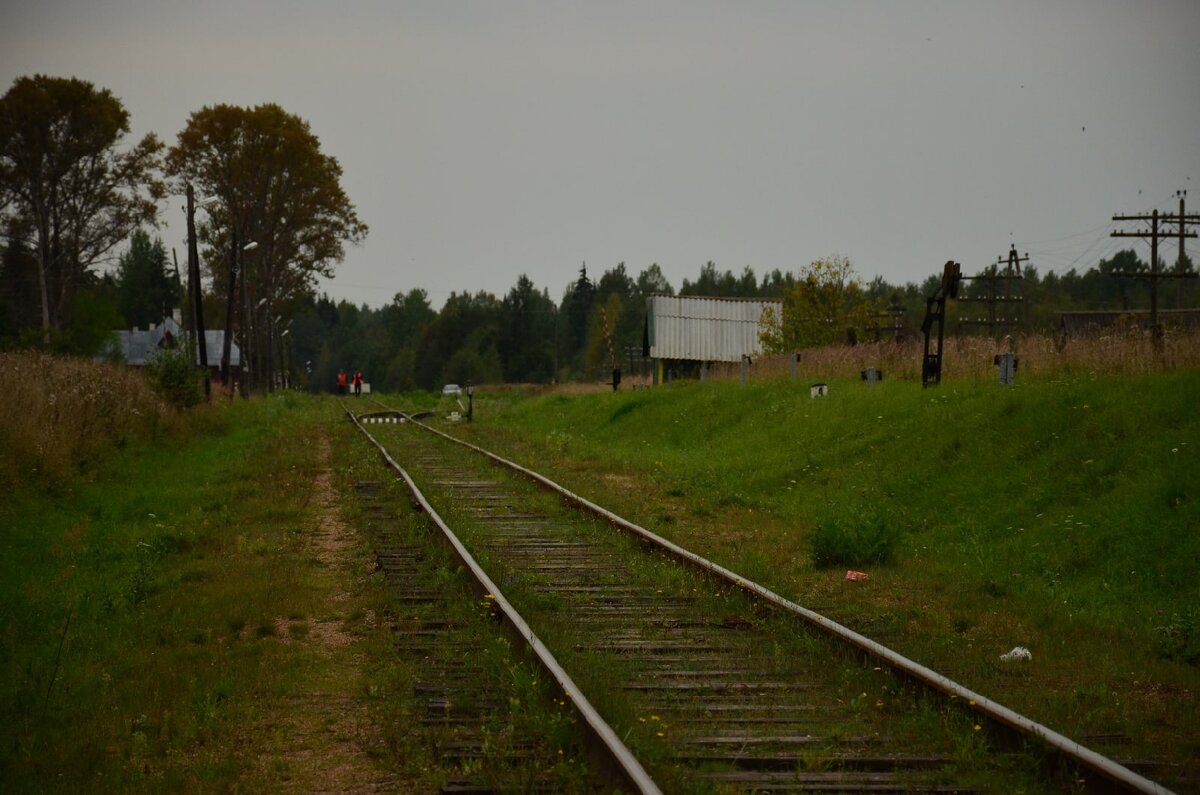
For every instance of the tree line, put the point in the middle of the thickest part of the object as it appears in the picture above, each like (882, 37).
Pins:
(78, 258)
(528, 337)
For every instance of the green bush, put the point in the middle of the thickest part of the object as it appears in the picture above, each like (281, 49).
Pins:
(857, 538)
(1179, 639)
(174, 377)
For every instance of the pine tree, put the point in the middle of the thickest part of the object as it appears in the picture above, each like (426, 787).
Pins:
(146, 292)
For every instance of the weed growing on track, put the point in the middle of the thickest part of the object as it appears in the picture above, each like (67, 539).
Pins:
(526, 706)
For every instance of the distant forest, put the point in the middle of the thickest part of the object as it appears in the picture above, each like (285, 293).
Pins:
(524, 336)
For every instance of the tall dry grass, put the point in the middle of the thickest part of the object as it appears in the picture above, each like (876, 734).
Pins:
(57, 413)
(1120, 352)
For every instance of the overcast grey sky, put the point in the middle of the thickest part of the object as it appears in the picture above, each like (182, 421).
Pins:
(482, 140)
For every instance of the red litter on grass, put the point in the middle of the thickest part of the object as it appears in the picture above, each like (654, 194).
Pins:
(853, 576)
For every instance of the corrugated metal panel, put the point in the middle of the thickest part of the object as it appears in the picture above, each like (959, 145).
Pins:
(705, 329)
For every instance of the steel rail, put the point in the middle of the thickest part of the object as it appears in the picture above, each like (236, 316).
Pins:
(626, 764)
(1088, 760)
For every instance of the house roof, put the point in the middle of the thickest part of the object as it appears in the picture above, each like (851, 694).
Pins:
(138, 346)
(704, 329)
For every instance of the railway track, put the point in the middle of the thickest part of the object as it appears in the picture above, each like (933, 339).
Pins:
(466, 696)
(708, 682)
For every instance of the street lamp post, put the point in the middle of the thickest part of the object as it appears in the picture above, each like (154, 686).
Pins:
(273, 340)
(249, 373)
(287, 374)
(248, 346)
(234, 268)
(194, 289)
(227, 342)
(270, 327)
(257, 325)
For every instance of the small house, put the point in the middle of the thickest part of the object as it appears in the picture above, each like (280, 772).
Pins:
(136, 347)
(685, 334)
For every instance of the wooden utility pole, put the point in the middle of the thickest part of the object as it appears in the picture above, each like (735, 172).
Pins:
(1000, 291)
(1154, 274)
(895, 313)
(1182, 194)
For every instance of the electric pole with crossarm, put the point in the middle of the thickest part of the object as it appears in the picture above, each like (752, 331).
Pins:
(1154, 233)
(1000, 294)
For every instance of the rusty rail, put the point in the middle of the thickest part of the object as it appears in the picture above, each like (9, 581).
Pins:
(626, 766)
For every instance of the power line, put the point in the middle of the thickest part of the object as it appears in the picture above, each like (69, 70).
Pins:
(1030, 244)
(1094, 229)
(1062, 262)
(1097, 241)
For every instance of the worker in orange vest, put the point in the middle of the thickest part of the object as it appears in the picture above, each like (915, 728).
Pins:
(357, 383)
(342, 383)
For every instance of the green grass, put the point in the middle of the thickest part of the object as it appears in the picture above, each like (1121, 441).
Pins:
(140, 605)
(158, 613)
(1058, 515)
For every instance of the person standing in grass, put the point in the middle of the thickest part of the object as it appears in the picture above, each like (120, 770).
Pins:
(341, 382)
(357, 383)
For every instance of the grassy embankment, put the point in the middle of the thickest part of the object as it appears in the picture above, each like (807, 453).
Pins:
(1057, 515)
(186, 602)
(160, 610)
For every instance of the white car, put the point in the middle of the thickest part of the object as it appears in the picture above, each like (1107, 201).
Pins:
(451, 389)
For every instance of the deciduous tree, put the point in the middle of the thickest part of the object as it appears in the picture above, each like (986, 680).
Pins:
(826, 301)
(63, 170)
(277, 188)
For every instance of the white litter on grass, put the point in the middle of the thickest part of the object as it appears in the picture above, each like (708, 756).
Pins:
(1018, 653)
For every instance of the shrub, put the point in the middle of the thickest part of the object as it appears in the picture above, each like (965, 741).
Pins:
(1179, 640)
(859, 539)
(173, 376)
